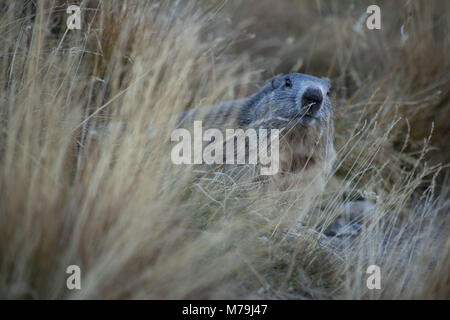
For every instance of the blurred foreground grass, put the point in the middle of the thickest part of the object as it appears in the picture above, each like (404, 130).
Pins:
(139, 228)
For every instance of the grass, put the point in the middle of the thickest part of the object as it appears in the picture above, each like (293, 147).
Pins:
(114, 205)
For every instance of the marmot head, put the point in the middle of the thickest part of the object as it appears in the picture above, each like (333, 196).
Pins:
(300, 106)
(295, 101)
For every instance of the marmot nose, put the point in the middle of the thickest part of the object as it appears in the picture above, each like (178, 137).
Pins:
(312, 99)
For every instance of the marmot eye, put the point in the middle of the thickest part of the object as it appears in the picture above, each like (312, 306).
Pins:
(329, 91)
(288, 83)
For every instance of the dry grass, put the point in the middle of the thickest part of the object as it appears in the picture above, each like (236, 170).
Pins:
(139, 228)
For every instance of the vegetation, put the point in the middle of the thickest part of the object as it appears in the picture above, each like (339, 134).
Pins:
(113, 203)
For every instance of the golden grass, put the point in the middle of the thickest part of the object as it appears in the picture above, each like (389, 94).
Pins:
(113, 204)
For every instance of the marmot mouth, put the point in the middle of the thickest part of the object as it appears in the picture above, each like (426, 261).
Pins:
(306, 120)
(309, 115)
(310, 109)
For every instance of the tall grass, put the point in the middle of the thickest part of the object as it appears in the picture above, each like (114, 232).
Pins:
(111, 202)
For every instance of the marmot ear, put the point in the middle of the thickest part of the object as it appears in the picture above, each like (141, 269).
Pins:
(276, 82)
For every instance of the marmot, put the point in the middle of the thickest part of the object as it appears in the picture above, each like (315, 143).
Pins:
(297, 104)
